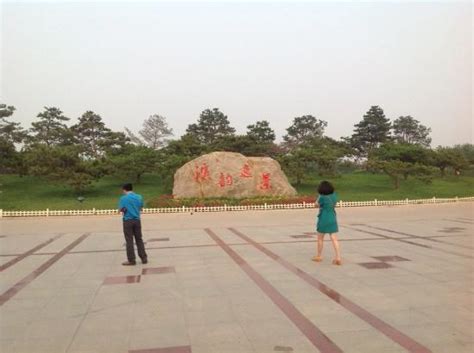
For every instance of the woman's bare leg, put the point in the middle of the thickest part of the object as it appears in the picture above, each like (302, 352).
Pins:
(335, 244)
(320, 244)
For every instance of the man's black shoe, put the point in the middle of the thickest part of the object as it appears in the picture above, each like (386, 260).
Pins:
(145, 261)
(128, 263)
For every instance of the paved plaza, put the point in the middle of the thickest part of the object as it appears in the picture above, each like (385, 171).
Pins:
(241, 282)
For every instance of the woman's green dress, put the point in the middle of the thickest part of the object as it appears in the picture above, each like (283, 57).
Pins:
(327, 222)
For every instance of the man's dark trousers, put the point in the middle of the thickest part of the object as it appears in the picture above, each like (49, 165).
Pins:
(133, 228)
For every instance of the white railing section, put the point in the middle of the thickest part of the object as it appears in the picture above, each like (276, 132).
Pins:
(225, 208)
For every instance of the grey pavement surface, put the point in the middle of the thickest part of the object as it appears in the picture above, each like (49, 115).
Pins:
(241, 282)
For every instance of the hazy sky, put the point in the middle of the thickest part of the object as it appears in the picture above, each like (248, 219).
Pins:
(254, 61)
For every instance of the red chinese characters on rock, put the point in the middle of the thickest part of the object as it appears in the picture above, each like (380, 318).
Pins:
(265, 182)
(246, 172)
(201, 173)
(225, 180)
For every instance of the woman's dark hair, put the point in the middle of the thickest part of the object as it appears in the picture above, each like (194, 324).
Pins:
(325, 188)
(127, 187)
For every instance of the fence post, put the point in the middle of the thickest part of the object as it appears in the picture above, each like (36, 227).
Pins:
(375, 202)
(225, 207)
(1, 213)
(265, 205)
(47, 212)
(457, 200)
(434, 199)
(406, 201)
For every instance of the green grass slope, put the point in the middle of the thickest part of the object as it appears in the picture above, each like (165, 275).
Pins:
(30, 193)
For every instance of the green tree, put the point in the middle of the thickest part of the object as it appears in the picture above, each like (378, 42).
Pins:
(236, 143)
(9, 157)
(303, 129)
(51, 129)
(10, 131)
(467, 150)
(134, 161)
(63, 165)
(6, 110)
(243, 144)
(319, 154)
(404, 152)
(409, 130)
(187, 146)
(395, 169)
(449, 157)
(370, 132)
(402, 160)
(91, 134)
(326, 152)
(114, 141)
(176, 154)
(211, 126)
(296, 164)
(261, 132)
(10, 134)
(155, 133)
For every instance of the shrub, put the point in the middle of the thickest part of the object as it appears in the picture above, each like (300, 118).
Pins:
(169, 201)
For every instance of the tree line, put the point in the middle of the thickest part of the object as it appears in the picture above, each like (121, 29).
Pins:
(77, 154)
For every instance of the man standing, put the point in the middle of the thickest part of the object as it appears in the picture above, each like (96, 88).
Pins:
(130, 206)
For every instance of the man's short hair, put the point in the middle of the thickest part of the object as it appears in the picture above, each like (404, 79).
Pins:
(127, 187)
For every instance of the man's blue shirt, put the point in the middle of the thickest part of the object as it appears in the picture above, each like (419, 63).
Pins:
(131, 204)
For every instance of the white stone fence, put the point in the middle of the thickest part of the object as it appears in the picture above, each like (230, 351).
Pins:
(226, 208)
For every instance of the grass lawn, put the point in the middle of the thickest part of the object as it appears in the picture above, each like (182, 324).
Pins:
(360, 186)
(30, 193)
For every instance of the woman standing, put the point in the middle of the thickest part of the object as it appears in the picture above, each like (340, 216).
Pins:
(327, 220)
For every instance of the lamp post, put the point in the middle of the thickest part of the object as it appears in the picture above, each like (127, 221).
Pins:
(81, 199)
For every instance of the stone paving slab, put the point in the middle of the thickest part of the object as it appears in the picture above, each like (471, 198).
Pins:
(241, 282)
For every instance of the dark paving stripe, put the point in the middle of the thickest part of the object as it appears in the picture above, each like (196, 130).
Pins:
(378, 238)
(147, 248)
(313, 240)
(412, 243)
(195, 246)
(392, 258)
(450, 235)
(158, 239)
(383, 327)
(158, 270)
(418, 236)
(387, 237)
(180, 349)
(121, 280)
(31, 277)
(458, 221)
(375, 265)
(314, 335)
(28, 253)
(451, 230)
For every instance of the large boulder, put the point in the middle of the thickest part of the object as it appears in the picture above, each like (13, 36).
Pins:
(229, 174)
